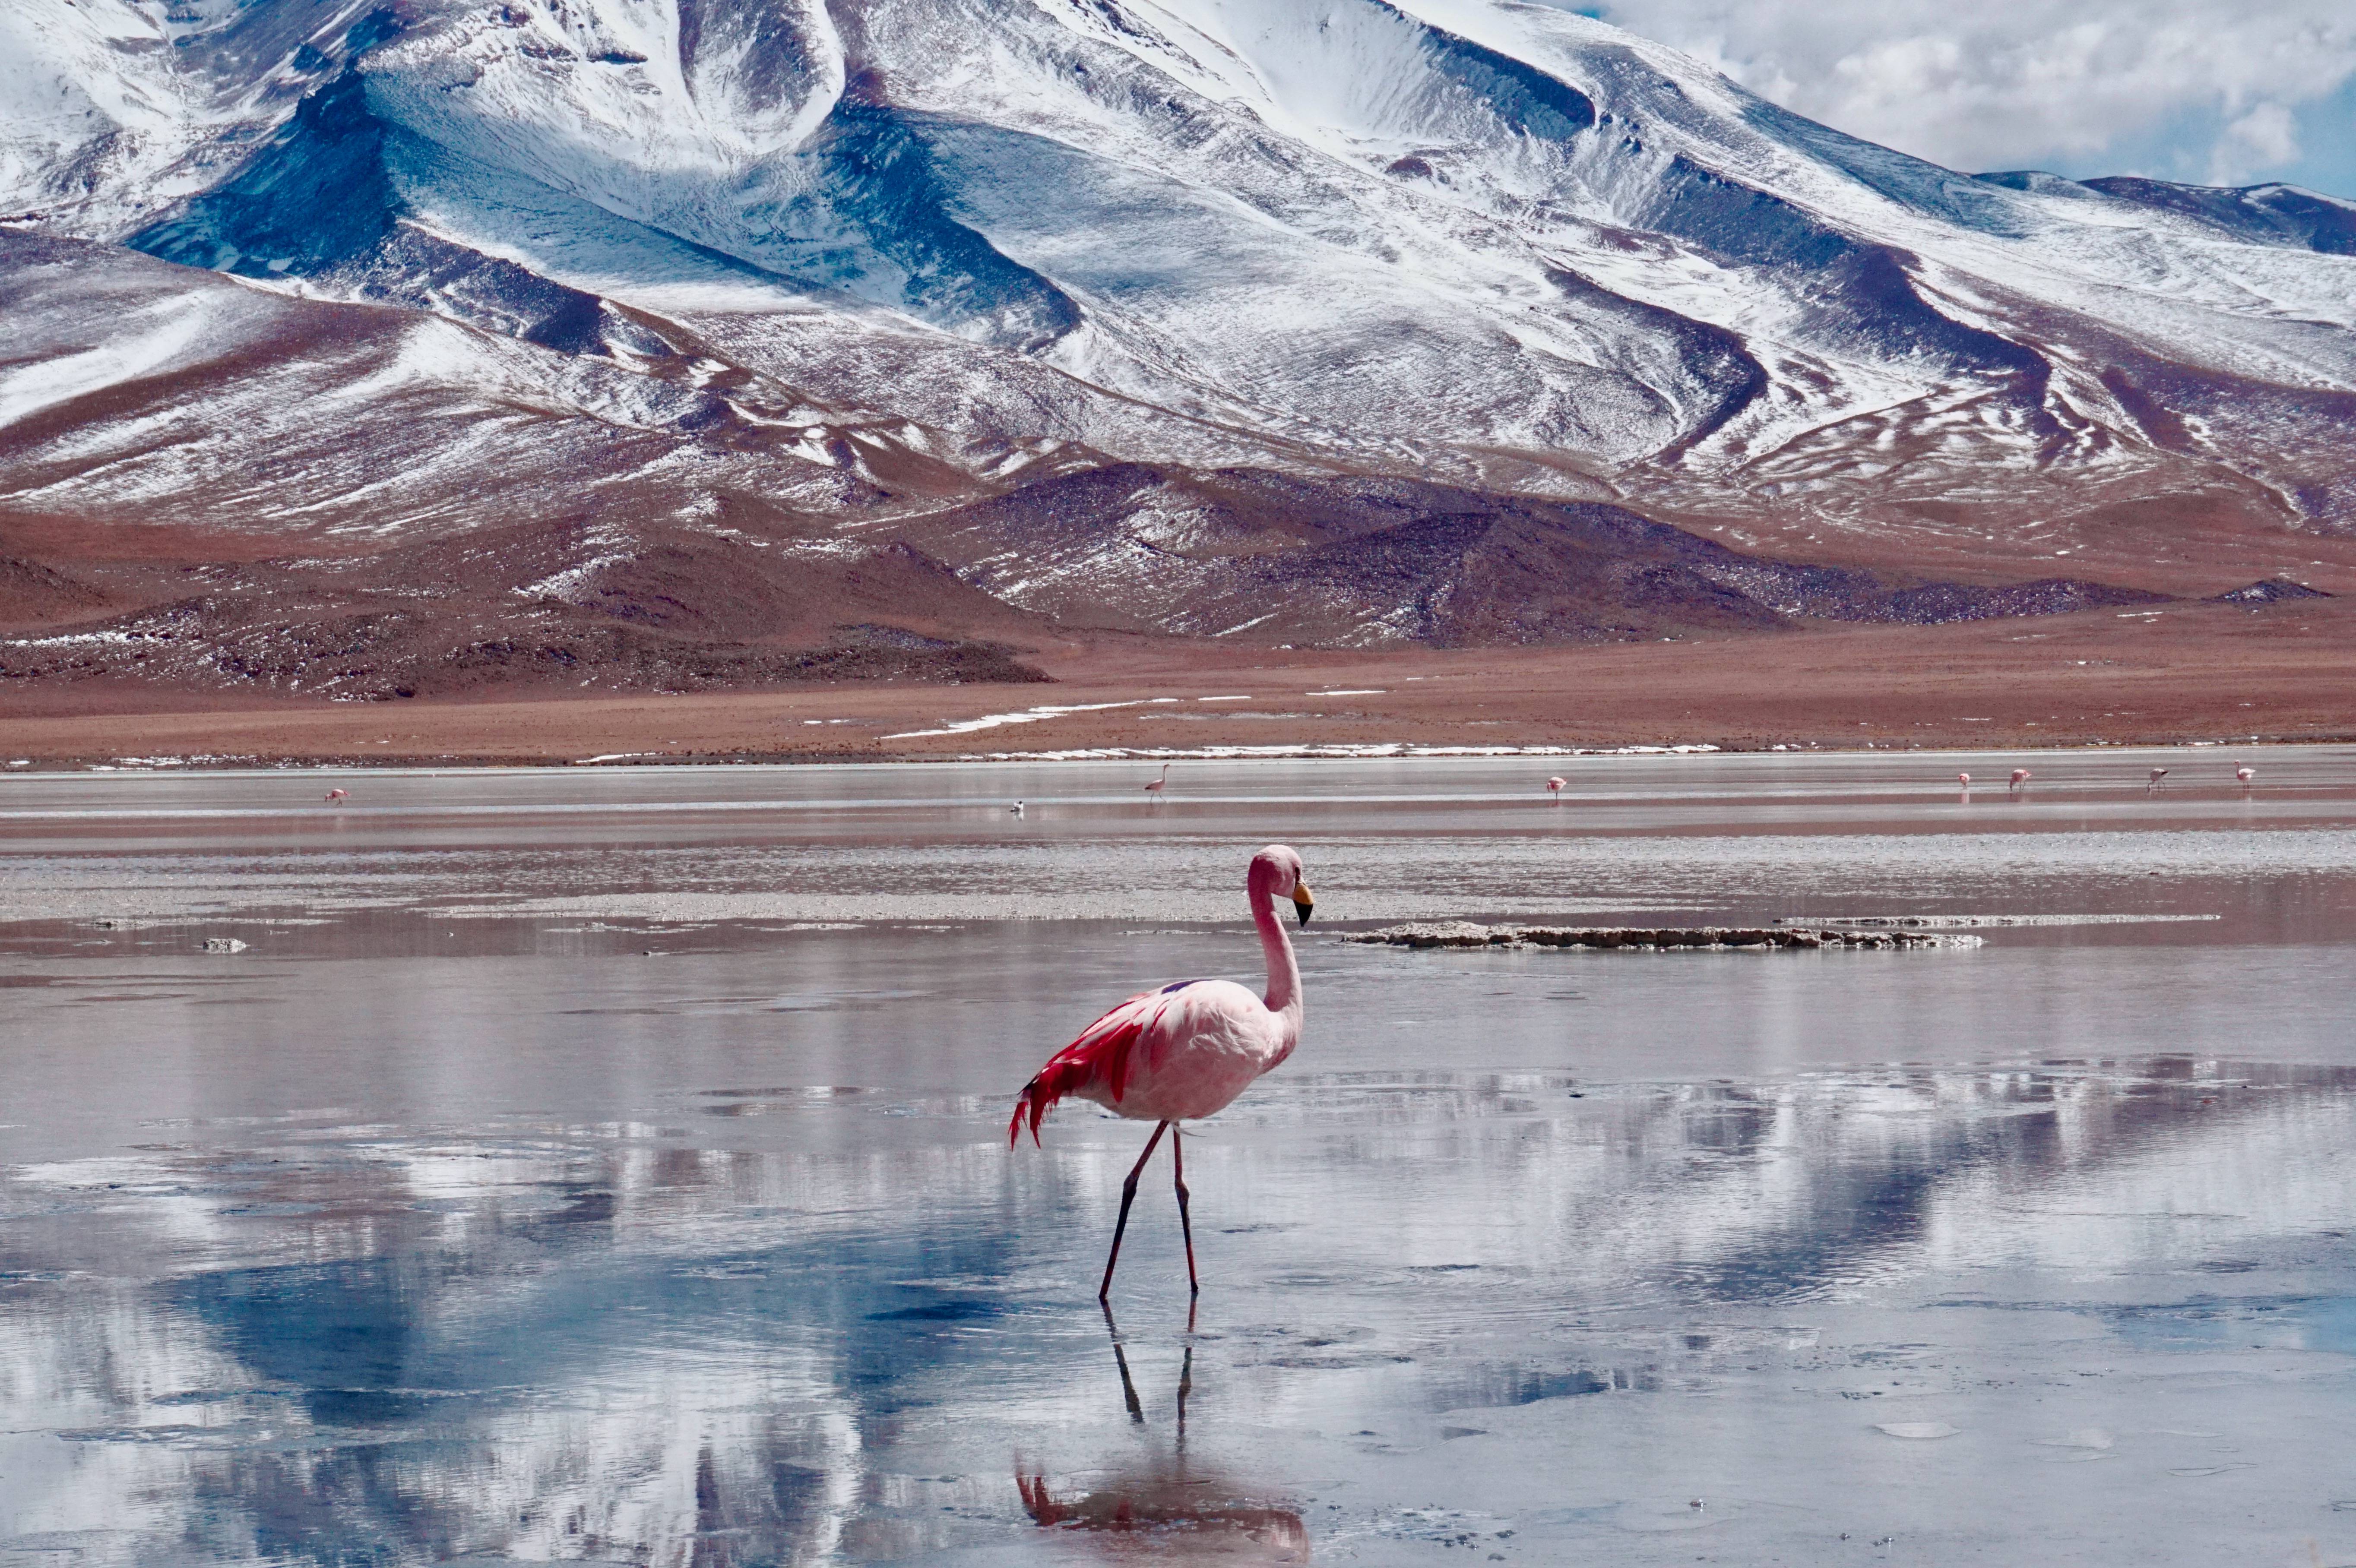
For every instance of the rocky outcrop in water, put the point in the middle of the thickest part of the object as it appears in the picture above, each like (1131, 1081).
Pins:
(1702, 938)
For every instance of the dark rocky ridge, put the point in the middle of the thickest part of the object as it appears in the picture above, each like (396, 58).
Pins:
(1394, 561)
(32, 595)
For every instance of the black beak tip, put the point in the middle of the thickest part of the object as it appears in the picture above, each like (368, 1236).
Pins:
(1304, 912)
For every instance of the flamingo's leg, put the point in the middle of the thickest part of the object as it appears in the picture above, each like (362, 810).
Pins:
(1185, 1387)
(1185, 1222)
(1120, 1360)
(1128, 1197)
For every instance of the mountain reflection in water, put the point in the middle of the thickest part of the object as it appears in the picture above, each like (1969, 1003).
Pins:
(606, 1343)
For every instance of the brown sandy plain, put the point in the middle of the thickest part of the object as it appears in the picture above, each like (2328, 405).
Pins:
(2177, 673)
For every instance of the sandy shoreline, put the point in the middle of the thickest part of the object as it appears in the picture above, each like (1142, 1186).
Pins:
(2171, 675)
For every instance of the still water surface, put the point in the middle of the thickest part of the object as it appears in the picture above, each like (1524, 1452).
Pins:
(610, 1167)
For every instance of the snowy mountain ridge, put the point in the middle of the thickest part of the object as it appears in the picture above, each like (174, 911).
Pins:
(861, 259)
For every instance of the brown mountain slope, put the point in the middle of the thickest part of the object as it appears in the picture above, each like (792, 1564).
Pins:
(552, 607)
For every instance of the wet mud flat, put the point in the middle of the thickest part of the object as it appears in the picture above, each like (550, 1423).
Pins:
(555, 1178)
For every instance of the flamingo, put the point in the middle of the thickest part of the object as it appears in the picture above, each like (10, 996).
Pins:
(1965, 780)
(336, 794)
(2019, 778)
(1153, 787)
(1554, 786)
(2244, 772)
(2157, 774)
(1014, 810)
(1185, 1050)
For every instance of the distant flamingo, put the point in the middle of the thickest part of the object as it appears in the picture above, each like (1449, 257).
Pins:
(2019, 778)
(1554, 786)
(2244, 772)
(336, 795)
(1014, 810)
(1965, 780)
(1156, 786)
(1185, 1050)
(2157, 774)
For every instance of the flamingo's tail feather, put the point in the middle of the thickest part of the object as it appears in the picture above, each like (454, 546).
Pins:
(1037, 1098)
(1054, 1080)
(1100, 1056)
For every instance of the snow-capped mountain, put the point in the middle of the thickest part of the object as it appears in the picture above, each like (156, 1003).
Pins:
(862, 258)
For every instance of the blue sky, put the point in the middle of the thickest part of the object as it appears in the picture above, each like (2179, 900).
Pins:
(2210, 91)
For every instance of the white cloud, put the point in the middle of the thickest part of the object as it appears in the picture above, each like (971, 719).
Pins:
(2265, 138)
(2211, 88)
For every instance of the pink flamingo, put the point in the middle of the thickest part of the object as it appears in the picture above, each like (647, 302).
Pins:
(1965, 780)
(2244, 772)
(336, 794)
(1185, 1050)
(1554, 786)
(2157, 774)
(1156, 786)
(2019, 777)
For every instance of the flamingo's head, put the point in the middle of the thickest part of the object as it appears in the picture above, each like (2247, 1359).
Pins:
(1277, 869)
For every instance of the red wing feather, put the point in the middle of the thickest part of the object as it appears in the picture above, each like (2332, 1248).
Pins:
(1102, 1054)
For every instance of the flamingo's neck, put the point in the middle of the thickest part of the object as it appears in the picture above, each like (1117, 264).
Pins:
(1283, 972)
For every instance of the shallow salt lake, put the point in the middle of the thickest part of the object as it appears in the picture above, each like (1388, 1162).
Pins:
(610, 1166)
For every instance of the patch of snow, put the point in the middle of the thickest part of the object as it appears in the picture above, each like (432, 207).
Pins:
(571, 580)
(1362, 749)
(78, 639)
(1025, 716)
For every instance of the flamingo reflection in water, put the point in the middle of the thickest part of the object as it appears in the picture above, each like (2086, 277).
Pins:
(1164, 1504)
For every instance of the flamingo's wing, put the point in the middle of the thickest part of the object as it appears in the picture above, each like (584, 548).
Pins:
(1103, 1055)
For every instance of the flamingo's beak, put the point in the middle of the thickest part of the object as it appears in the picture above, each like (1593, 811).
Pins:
(1302, 905)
